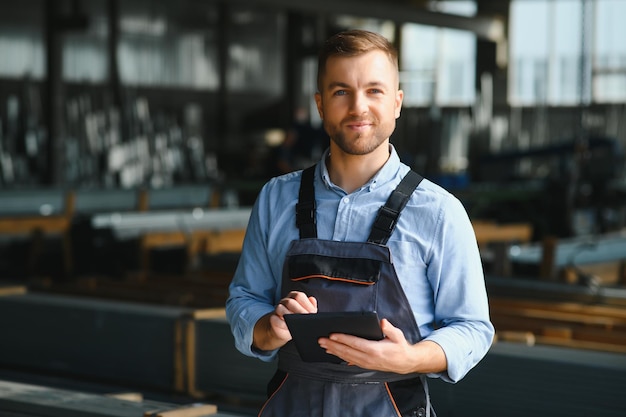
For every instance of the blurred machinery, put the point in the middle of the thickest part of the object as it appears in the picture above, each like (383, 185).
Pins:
(566, 189)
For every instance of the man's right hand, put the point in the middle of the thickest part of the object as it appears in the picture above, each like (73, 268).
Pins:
(271, 331)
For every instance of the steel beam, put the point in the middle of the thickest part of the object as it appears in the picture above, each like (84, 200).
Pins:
(132, 225)
(487, 27)
(41, 401)
(219, 367)
(575, 251)
(119, 342)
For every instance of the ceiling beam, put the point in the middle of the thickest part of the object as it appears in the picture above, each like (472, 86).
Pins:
(487, 27)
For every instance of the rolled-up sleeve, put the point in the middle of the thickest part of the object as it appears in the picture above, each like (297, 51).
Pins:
(463, 327)
(253, 288)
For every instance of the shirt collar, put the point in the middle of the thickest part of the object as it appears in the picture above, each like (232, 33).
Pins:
(387, 173)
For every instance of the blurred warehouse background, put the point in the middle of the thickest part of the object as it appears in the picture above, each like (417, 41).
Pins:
(135, 135)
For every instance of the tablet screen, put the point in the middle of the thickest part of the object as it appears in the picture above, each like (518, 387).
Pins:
(306, 329)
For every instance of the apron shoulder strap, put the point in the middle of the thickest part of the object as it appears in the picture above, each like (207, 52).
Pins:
(305, 208)
(385, 221)
(388, 215)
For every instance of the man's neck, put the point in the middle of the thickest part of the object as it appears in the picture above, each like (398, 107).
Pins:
(351, 172)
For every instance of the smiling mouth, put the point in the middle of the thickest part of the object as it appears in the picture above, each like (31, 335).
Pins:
(359, 125)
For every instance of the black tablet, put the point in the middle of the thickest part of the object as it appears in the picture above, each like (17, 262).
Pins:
(306, 329)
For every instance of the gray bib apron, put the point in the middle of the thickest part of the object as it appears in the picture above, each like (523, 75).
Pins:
(346, 276)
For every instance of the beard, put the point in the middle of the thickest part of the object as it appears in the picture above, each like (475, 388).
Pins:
(358, 143)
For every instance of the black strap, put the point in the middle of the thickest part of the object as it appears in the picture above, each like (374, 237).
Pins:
(385, 221)
(305, 208)
(388, 215)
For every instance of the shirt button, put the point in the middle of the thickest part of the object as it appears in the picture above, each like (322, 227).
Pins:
(345, 200)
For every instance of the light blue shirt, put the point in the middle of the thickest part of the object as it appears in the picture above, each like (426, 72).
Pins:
(433, 247)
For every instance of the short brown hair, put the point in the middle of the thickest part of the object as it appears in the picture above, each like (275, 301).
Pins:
(352, 43)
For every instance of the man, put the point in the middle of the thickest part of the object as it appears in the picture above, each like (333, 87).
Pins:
(313, 244)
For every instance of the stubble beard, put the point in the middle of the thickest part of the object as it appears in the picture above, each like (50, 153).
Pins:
(360, 144)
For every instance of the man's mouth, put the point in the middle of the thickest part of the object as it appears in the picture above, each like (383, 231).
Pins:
(359, 125)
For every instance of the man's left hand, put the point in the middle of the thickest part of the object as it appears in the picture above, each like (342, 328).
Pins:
(391, 354)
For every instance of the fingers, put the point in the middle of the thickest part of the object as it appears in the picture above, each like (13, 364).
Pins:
(352, 349)
(391, 332)
(275, 332)
(389, 354)
(296, 302)
(280, 327)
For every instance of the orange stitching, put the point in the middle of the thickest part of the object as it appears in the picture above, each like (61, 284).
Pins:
(332, 279)
(272, 396)
(395, 406)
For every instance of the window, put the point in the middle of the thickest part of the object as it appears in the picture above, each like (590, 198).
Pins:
(21, 40)
(609, 64)
(567, 52)
(255, 50)
(168, 44)
(84, 54)
(438, 65)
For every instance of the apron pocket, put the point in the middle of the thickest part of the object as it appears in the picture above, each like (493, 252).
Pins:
(355, 270)
(409, 397)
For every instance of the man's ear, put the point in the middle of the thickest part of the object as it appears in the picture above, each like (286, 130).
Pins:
(318, 102)
(399, 99)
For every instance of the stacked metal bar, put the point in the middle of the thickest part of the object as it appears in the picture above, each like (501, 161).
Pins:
(127, 343)
(516, 380)
(26, 400)
(192, 352)
(220, 368)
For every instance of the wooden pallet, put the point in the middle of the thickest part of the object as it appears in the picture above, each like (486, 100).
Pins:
(488, 232)
(586, 326)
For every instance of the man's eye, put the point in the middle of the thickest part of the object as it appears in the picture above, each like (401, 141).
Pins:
(375, 91)
(340, 93)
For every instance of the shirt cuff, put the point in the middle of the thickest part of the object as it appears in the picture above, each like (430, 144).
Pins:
(247, 321)
(458, 356)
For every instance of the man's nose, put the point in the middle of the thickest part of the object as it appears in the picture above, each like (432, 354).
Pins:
(358, 104)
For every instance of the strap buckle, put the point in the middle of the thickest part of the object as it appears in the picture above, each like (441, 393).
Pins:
(305, 213)
(386, 219)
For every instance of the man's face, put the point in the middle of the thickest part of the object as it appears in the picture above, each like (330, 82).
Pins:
(360, 101)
